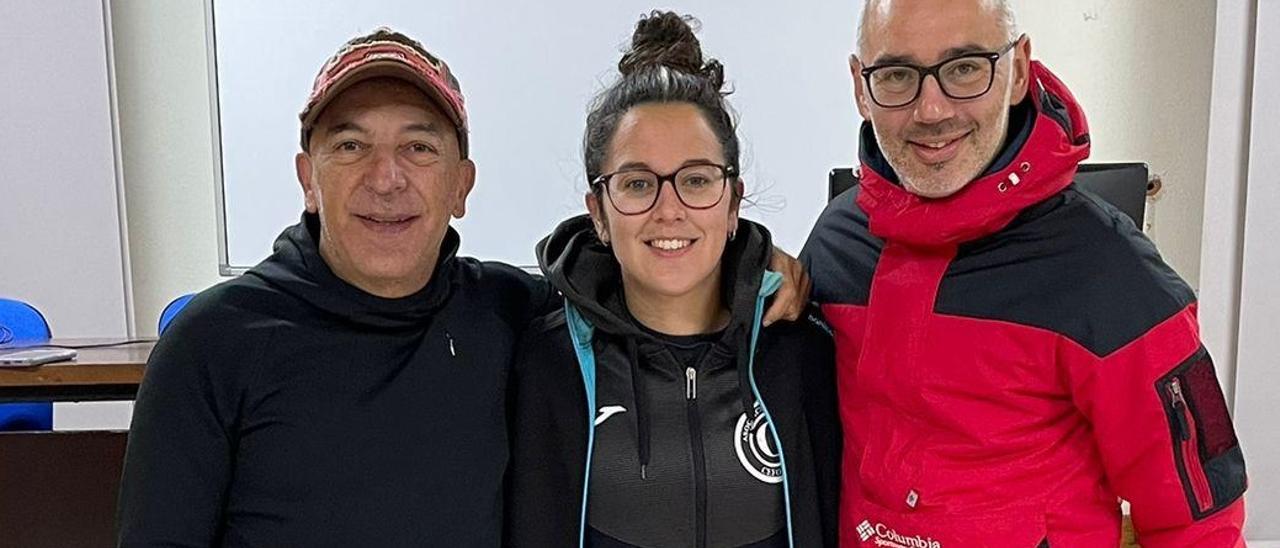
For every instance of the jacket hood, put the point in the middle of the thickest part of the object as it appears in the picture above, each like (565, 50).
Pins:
(1048, 137)
(587, 274)
(296, 268)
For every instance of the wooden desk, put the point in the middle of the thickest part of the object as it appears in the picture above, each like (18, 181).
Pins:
(107, 373)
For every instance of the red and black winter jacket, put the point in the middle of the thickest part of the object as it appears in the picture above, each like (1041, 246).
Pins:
(1013, 358)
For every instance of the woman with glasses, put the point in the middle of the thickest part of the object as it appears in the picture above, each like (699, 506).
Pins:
(655, 410)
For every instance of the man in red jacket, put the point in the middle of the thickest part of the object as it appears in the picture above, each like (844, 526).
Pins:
(1014, 356)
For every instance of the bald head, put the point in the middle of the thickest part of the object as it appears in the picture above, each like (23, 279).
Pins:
(878, 12)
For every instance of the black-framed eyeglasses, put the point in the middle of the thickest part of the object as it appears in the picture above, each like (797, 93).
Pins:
(967, 76)
(634, 191)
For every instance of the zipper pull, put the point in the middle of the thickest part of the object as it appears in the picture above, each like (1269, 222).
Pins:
(691, 384)
(452, 352)
(1179, 407)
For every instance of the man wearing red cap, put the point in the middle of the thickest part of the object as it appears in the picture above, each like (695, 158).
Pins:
(350, 389)
(1013, 355)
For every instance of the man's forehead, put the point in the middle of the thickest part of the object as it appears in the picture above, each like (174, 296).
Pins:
(925, 31)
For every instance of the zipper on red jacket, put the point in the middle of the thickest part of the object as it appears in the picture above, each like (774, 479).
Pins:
(1188, 445)
(699, 456)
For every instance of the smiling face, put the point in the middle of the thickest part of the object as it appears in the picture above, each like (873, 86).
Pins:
(937, 144)
(384, 173)
(670, 250)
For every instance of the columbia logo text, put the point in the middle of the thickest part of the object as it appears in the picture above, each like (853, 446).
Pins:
(887, 537)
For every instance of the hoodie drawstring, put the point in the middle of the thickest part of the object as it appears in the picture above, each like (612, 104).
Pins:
(744, 375)
(642, 407)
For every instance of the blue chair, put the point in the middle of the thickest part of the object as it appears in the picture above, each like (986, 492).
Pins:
(171, 311)
(20, 323)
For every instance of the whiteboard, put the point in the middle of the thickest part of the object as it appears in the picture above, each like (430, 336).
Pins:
(528, 71)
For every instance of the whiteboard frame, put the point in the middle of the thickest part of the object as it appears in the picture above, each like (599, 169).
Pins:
(215, 116)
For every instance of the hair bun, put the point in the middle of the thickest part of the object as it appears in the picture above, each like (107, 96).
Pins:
(666, 39)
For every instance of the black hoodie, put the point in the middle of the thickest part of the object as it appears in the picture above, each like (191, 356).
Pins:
(596, 395)
(289, 408)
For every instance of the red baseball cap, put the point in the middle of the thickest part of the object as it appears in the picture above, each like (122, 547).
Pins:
(380, 54)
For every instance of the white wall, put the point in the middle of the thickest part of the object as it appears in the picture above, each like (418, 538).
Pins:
(1226, 184)
(162, 90)
(1142, 69)
(1239, 296)
(1258, 344)
(60, 248)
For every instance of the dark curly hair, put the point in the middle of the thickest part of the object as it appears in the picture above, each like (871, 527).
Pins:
(664, 65)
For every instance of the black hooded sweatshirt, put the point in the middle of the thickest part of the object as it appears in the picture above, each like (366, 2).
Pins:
(289, 408)
(623, 437)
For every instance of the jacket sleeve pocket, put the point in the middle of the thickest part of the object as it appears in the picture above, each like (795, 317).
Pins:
(1205, 448)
